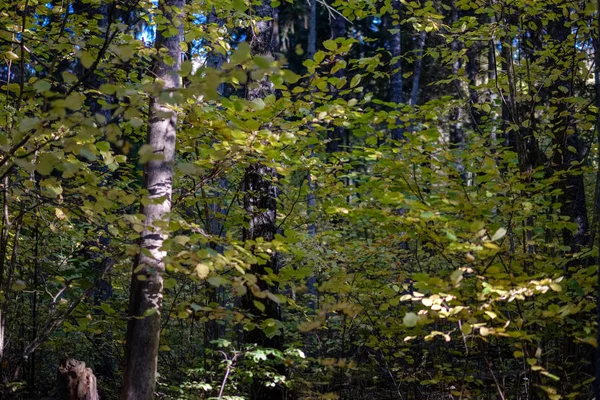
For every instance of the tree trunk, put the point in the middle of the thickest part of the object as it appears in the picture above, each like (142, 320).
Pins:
(260, 204)
(414, 94)
(143, 329)
(396, 82)
(336, 136)
(213, 201)
(75, 382)
(568, 152)
(312, 30)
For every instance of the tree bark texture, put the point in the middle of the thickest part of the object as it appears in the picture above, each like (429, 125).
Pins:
(75, 382)
(260, 204)
(143, 329)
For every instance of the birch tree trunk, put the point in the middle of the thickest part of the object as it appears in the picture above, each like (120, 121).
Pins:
(143, 329)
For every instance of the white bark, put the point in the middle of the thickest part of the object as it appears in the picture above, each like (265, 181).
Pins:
(143, 330)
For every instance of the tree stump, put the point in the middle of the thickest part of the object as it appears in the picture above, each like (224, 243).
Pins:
(75, 381)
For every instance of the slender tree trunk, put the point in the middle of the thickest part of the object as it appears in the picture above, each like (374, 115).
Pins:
(336, 135)
(396, 82)
(312, 30)
(214, 59)
(143, 329)
(310, 198)
(260, 204)
(212, 204)
(492, 77)
(275, 42)
(414, 94)
(473, 69)
(457, 132)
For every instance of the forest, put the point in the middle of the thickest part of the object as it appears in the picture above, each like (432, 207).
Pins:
(299, 199)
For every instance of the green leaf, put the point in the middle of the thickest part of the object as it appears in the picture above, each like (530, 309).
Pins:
(86, 59)
(319, 56)
(150, 311)
(556, 287)
(28, 124)
(330, 45)
(466, 328)
(240, 5)
(355, 80)
(170, 283)
(46, 163)
(241, 54)
(456, 276)
(42, 86)
(74, 101)
(410, 319)
(260, 306)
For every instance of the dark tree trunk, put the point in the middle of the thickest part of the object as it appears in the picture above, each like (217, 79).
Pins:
(260, 204)
(396, 81)
(212, 205)
(312, 30)
(568, 152)
(143, 328)
(414, 94)
(473, 68)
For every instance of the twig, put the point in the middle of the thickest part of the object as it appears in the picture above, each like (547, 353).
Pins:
(230, 366)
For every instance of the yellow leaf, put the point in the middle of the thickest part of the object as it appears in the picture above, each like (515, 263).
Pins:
(11, 56)
(202, 270)
(60, 214)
